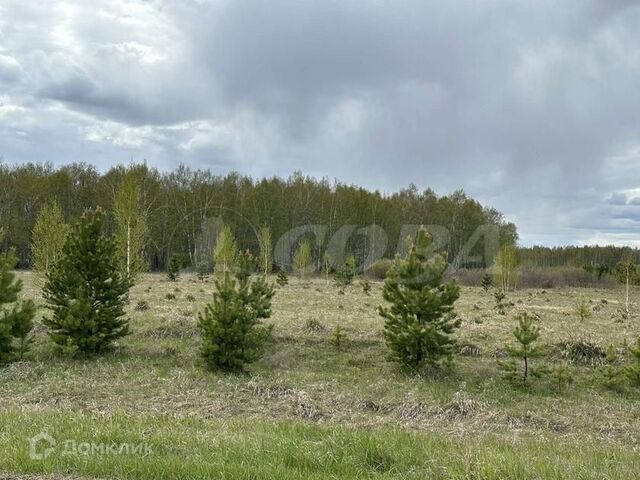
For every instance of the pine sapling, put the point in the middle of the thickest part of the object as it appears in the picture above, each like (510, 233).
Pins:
(632, 372)
(487, 282)
(282, 278)
(346, 272)
(582, 310)
(610, 371)
(233, 334)
(338, 337)
(366, 286)
(499, 296)
(16, 318)
(562, 376)
(86, 290)
(419, 318)
(526, 334)
(173, 268)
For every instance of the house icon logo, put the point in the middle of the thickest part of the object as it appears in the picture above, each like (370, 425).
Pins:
(41, 446)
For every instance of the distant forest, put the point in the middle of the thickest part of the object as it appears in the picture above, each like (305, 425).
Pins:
(181, 205)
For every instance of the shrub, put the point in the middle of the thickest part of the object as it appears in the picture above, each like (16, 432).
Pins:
(15, 323)
(420, 320)
(190, 298)
(232, 330)
(86, 291)
(314, 326)
(380, 268)
(170, 296)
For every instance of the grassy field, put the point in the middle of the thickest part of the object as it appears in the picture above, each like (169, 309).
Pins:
(309, 410)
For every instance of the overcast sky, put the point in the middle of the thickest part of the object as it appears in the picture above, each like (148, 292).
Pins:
(532, 107)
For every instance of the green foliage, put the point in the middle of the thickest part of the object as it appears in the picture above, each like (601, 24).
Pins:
(380, 268)
(499, 296)
(131, 227)
(420, 320)
(185, 199)
(47, 238)
(86, 290)
(173, 268)
(366, 286)
(582, 309)
(611, 374)
(561, 376)
(632, 372)
(204, 269)
(338, 337)
(233, 334)
(505, 268)
(626, 273)
(527, 334)
(16, 318)
(225, 251)
(346, 272)
(266, 250)
(282, 278)
(303, 259)
(487, 282)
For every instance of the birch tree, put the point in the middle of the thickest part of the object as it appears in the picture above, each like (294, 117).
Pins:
(131, 227)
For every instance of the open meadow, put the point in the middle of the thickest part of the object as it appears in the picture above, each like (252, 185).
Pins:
(356, 414)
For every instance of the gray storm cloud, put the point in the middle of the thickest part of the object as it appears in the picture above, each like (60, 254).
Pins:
(529, 106)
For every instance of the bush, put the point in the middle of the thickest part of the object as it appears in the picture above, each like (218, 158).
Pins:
(380, 268)
(345, 272)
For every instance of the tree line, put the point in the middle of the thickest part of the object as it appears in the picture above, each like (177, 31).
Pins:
(170, 213)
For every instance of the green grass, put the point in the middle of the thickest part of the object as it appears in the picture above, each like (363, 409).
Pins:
(194, 448)
(309, 410)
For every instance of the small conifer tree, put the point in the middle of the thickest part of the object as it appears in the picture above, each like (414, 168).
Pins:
(173, 268)
(582, 309)
(526, 333)
(86, 290)
(282, 278)
(338, 337)
(632, 372)
(16, 322)
(612, 376)
(232, 330)
(487, 282)
(346, 272)
(366, 286)
(419, 320)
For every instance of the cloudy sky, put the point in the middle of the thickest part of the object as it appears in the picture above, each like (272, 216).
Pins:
(532, 107)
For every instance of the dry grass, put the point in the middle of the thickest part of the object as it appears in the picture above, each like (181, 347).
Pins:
(157, 371)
